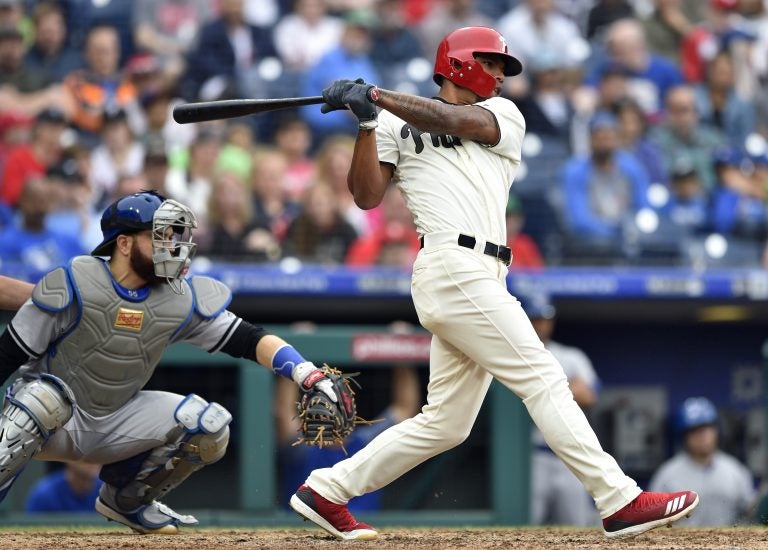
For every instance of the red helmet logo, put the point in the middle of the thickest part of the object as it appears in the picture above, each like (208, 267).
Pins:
(455, 59)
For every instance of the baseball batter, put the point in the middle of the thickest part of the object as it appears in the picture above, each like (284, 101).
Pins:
(454, 158)
(89, 340)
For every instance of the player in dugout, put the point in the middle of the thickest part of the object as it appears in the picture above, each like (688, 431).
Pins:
(90, 338)
(454, 158)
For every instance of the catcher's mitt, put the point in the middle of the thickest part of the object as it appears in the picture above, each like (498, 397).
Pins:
(324, 422)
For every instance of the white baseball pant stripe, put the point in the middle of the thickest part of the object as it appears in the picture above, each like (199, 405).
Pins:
(479, 331)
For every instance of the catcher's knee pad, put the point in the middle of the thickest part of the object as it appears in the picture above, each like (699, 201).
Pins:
(33, 411)
(200, 438)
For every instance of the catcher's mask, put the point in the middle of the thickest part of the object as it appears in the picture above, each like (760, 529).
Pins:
(455, 59)
(171, 224)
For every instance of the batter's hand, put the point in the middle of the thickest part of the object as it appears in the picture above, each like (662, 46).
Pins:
(358, 96)
(333, 95)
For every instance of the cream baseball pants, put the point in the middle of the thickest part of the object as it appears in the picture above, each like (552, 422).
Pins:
(480, 332)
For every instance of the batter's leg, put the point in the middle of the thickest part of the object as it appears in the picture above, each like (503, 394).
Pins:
(484, 321)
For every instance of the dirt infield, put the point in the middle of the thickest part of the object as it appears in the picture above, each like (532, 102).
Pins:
(433, 538)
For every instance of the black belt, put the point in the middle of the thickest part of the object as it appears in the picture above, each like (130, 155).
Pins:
(501, 253)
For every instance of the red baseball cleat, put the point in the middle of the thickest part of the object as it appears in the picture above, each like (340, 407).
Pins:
(648, 511)
(334, 518)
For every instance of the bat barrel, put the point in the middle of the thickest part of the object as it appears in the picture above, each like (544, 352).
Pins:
(232, 108)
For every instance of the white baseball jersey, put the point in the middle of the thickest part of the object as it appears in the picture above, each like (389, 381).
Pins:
(451, 183)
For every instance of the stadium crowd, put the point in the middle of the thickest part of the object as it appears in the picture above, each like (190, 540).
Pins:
(646, 125)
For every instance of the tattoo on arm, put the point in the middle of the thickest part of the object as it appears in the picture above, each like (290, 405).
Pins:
(437, 117)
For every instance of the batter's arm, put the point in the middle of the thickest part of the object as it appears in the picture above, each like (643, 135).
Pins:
(436, 117)
(13, 292)
(367, 178)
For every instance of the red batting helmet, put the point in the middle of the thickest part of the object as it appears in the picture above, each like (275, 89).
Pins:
(455, 59)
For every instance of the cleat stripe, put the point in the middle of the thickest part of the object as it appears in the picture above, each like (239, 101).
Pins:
(669, 508)
(682, 502)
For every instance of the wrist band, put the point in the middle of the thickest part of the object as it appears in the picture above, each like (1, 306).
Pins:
(369, 124)
(285, 359)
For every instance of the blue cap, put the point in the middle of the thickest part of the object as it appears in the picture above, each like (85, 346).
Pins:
(536, 304)
(602, 120)
(728, 156)
(694, 413)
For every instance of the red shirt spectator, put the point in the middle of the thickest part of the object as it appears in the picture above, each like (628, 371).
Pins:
(29, 160)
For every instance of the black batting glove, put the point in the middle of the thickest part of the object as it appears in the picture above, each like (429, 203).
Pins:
(333, 95)
(358, 96)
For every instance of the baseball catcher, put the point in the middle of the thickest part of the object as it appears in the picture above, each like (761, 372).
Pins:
(89, 340)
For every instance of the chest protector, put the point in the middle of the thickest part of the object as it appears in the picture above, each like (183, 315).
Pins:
(115, 346)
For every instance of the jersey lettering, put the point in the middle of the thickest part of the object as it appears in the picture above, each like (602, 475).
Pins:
(438, 140)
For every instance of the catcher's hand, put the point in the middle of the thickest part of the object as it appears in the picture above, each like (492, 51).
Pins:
(325, 421)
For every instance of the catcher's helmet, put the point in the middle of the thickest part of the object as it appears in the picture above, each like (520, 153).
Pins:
(455, 59)
(695, 412)
(171, 224)
(129, 214)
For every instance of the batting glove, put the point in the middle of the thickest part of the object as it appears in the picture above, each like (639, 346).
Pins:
(358, 96)
(307, 376)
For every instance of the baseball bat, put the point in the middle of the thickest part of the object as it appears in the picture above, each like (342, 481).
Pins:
(231, 108)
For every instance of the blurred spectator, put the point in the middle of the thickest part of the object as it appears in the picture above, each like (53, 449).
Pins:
(271, 205)
(28, 241)
(169, 29)
(683, 135)
(84, 15)
(118, 153)
(192, 182)
(725, 486)
(649, 75)
(32, 159)
(525, 251)
(155, 165)
(101, 86)
(605, 12)
(13, 71)
(235, 235)
(319, 32)
(633, 135)
(264, 13)
(72, 212)
(688, 204)
(721, 106)
(557, 496)
(228, 46)
(319, 234)
(13, 14)
(394, 243)
(72, 488)
(446, 16)
(293, 138)
(396, 44)
(350, 59)
(721, 30)
(546, 105)
(603, 190)
(535, 27)
(739, 202)
(50, 54)
(666, 27)
(332, 164)
(236, 153)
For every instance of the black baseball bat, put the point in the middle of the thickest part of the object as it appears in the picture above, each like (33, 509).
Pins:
(231, 108)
